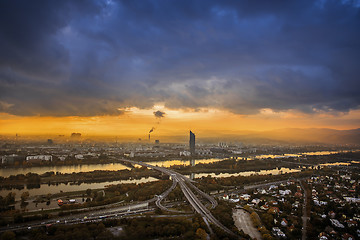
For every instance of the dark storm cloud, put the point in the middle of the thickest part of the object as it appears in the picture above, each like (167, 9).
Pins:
(94, 57)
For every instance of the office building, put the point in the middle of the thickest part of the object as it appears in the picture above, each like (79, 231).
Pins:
(192, 143)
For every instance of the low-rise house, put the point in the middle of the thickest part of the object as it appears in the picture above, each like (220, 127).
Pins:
(274, 210)
(9, 159)
(285, 192)
(347, 236)
(295, 205)
(284, 222)
(320, 203)
(264, 207)
(323, 236)
(336, 223)
(245, 197)
(280, 234)
(262, 191)
(226, 197)
(273, 187)
(79, 156)
(39, 158)
(298, 194)
(352, 199)
(332, 214)
(357, 217)
(275, 230)
(351, 223)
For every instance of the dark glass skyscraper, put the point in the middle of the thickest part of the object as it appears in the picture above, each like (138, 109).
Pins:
(192, 143)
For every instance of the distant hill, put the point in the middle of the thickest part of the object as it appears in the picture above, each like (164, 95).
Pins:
(315, 135)
(294, 135)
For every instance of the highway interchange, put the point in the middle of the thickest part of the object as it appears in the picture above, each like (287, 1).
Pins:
(113, 211)
(117, 211)
(190, 196)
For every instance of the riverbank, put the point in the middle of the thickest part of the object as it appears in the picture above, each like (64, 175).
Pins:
(51, 178)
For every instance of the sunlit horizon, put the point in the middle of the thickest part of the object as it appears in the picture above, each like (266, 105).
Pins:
(135, 123)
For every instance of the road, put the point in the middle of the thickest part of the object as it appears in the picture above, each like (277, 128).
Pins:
(190, 196)
(163, 195)
(94, 213)
(243, 222)
(120, 211)
(210, 198)
(79, 218)
(304, 217)
(124, 211)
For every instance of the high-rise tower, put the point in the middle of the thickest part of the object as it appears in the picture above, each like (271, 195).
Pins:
(192, 143)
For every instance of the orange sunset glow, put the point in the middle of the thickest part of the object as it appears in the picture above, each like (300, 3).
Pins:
(135, 123)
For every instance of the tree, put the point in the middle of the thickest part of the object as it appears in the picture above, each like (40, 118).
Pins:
(100, 198)
(88, 192)
(201, 233)
(267, 219)
(8, 235)
(104, 235)
(24, 196)
(267, 236)
(158, 211)
(10, 198)
(255, 219)
(95, 194)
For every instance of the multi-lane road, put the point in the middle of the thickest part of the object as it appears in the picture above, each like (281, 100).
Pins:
(190, 196)
(119, 211)
(164, 195)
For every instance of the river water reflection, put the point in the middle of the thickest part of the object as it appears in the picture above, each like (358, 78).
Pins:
(247, 173)
(45, 188)
(6, 172)
(287, 155)
(53, 189)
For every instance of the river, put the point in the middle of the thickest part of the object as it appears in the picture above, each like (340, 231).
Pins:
(52, 189)
(45, 188)
(6, 172)
(303, 154)
(247, 173)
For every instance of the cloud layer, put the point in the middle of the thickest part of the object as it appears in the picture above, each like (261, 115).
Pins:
(86, 58)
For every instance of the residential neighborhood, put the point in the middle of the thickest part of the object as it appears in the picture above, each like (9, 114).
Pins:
(333, 209)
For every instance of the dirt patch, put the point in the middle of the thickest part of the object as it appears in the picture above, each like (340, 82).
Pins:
(116, 231)
(243, 222)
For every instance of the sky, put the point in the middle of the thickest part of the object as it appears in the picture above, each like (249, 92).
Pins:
(106, 67)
